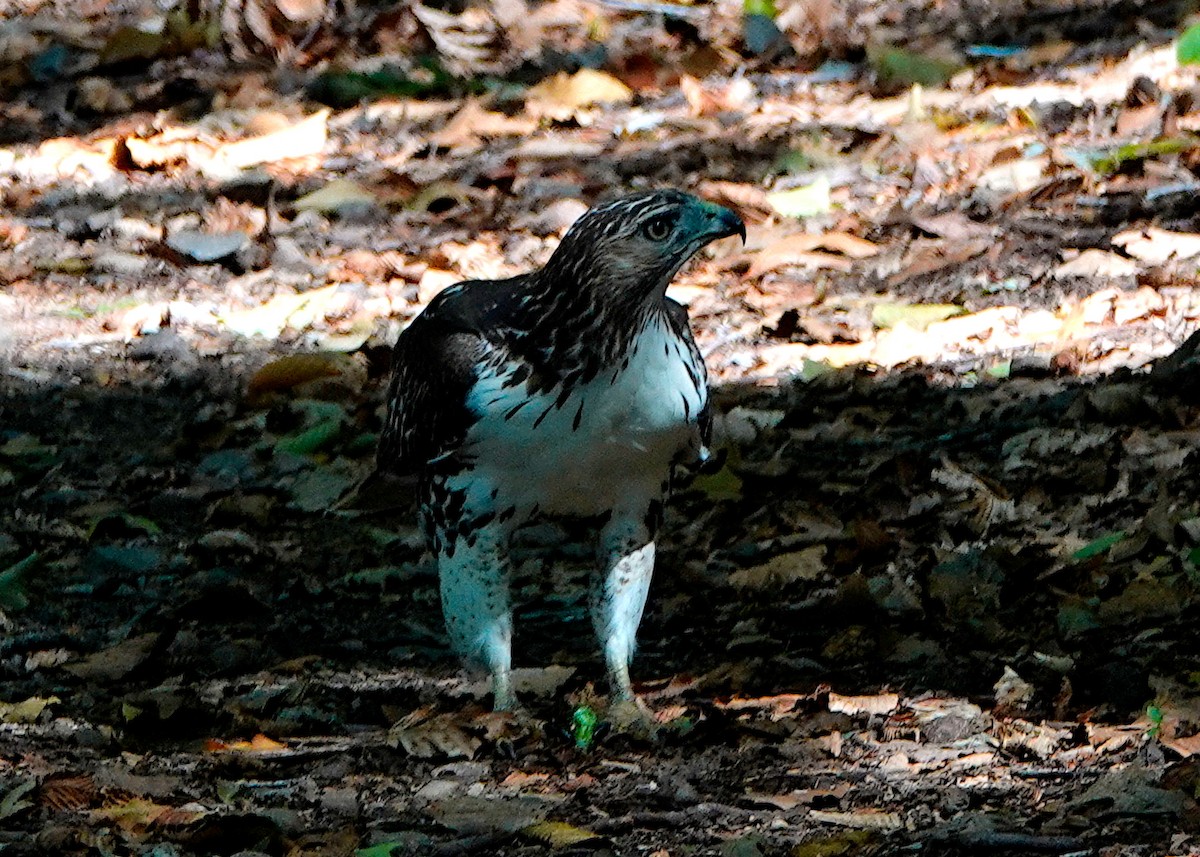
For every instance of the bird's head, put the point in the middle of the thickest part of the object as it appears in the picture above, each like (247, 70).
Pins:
(630, 248)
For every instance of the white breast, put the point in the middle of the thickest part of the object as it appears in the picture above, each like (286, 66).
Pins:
(610, 444)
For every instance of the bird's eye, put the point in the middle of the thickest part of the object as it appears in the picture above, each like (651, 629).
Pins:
(657, 228)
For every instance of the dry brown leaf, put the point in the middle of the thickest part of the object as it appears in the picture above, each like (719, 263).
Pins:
(549, 148)
(748, 199)
(777, 706)
(881, 703)
(337, 195)
(302, 11)
(784, 802)
(427, 737)
(1095, 263)
(561, 96)
(469, 125)
(116, 662)
(1185, 747)
(171, 146)
(64, 793)
(297, 311)
(807, 564)
(868, 819)
(1154, 245)
(797, 250)
(468, 43)
(953, 226)
(258, 744)
(522, 780)
(134, 815)
(292, 371)
(1143, 303)
(1040, 739)
(306, 137)
(928, 256)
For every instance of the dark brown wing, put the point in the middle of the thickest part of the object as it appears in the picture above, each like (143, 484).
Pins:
(433, 370)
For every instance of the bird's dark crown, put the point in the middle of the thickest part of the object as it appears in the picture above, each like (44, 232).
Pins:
(630, 248)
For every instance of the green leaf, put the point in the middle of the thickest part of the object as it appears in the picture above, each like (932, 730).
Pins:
(1108, 160)
(130, 43)
(338, 195)
(810, 370)
(916, 316)
(312, 439)
(124, 522)
(766, 8)
(12, 584)
(583, 727)
(12, 802)
(722, 485)
(803, 201)
(383, 849)
(27, 711)
(560, 835)
(1188, 49)
(379, 576)
(27, 449)
(897, 68)
(1000, 370)
(1099, 546)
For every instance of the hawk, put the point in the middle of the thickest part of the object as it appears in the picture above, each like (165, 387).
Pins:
(572, 391)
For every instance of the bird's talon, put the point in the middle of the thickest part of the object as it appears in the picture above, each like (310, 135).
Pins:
(633, 717)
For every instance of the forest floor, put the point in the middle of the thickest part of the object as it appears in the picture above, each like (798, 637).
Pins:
(943, 598)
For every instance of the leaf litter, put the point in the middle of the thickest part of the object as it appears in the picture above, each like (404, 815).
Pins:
(941, 595)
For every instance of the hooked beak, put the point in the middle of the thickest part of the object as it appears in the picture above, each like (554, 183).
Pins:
(724, 223)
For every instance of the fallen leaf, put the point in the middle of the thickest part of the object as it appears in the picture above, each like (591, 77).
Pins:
(269, 320)
(293, 370)
(559, 835)
(428, 737)
(115, 663)
(778, 706)
(26, 711)
(336, 197)
(1185, 747)
(258, 744)
(804, 201)
(12, 583)
(206, 246)
(798, 250)
(916, 316)
(807, 564)
(14, 803)
(880, 703)
(1154, 245)
(473, 122)
(560, 96)
(304, 138)
(69, 793)
(869, 819)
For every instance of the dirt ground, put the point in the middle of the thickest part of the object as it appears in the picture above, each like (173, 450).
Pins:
(942, 598)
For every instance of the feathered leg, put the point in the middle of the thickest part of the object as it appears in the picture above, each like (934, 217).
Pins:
(473, 571)
(619, 589)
